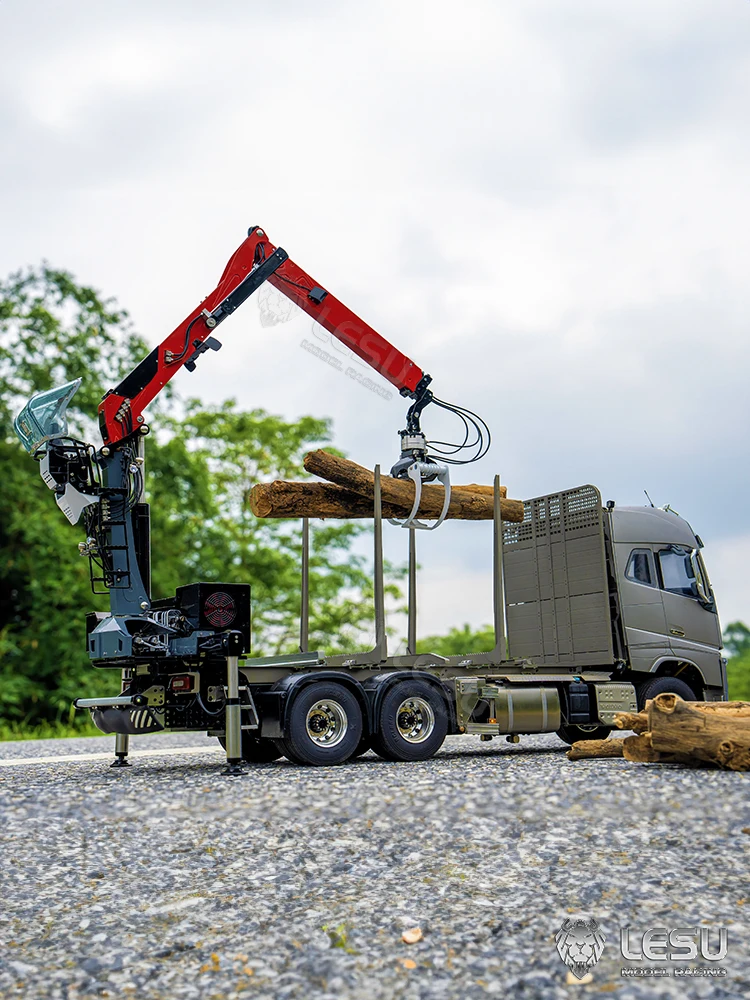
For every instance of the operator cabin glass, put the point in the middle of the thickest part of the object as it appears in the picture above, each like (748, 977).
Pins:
(677, 571)
(43, 417)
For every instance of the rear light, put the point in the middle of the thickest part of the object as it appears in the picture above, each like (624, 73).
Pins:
(182, 683)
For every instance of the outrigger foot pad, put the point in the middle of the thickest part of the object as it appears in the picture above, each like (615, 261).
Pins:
(235, 768)
(120, 761)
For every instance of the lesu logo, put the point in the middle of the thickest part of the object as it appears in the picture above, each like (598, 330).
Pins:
(580, 943)
(680, 944)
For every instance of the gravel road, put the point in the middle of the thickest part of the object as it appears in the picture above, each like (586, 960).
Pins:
(168, 881)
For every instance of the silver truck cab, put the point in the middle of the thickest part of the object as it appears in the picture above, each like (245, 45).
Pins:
(591, 587)
(669, 616)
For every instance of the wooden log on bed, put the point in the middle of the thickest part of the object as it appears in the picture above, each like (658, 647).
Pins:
(321, 500)
(467, 502)
(307, 499)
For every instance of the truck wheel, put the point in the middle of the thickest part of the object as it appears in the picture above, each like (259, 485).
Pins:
(254, 750)
(572, 734)
(324, 725)
(663, 685)
(412, 724)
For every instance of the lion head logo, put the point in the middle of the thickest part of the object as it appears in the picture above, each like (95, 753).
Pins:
(274, 307)
(580, 943)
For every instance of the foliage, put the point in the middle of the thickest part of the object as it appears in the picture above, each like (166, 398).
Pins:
(52, 331)
(201, 462)
(737, 639)
(82, 726)
(458, 641)
(737, 644)
(738, 678)
(44, 594)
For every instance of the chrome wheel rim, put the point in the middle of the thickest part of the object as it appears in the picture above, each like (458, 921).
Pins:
(415, 720)
(326, 723)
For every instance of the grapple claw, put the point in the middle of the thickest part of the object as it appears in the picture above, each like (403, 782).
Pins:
(421, 472)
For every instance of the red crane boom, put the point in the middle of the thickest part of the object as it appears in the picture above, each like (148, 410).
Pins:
(255, 261)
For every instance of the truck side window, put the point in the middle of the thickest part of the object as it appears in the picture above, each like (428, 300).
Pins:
(640, 567)
(677, 571)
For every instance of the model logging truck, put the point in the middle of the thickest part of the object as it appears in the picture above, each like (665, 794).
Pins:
(596, 608)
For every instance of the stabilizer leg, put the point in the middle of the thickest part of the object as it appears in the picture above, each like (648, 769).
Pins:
(122, 744)
(233, 717)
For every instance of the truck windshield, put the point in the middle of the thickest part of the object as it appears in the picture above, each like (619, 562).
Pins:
(677, 571)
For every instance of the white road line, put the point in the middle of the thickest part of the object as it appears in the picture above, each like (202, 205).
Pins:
(81, 758)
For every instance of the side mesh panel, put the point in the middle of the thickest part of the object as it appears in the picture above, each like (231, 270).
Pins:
(556, 581)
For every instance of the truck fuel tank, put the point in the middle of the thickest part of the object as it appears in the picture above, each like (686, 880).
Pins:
(484, 707)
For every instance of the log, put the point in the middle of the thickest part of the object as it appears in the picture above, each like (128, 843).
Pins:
(680, 727)
(640, 750)
(629, 720)
(639, 723)
(726, 708)
(319, 500)
(470, 506)
(672, 731)
(594, 749)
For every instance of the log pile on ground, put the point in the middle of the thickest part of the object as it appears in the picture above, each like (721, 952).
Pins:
(672, 731)
(350, 490)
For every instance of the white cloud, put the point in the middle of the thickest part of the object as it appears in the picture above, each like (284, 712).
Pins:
(727, 562)
(544, 204)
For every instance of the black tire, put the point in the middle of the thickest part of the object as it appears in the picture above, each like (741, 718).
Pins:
(411, 731)
(324, 725)
(663, 685)
(254, 750)
(572, 734)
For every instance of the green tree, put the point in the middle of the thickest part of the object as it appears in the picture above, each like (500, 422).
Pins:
(458, 641)
(737, 639)
(51, 331)
(201, 462)
(737, 644)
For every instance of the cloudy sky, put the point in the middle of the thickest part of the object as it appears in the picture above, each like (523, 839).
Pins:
(544, 203)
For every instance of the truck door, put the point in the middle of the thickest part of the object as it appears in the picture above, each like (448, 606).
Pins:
(692, 621)
(642, 606)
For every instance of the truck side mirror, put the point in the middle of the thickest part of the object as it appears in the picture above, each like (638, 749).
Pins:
(699, 590)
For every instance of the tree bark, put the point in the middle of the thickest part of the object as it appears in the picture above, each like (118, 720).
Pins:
(639, 723)
(318, 500)
(593, 749)
(722, 737)
(466, 503)
(629, 720)
(639, 749)
(696, 733)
